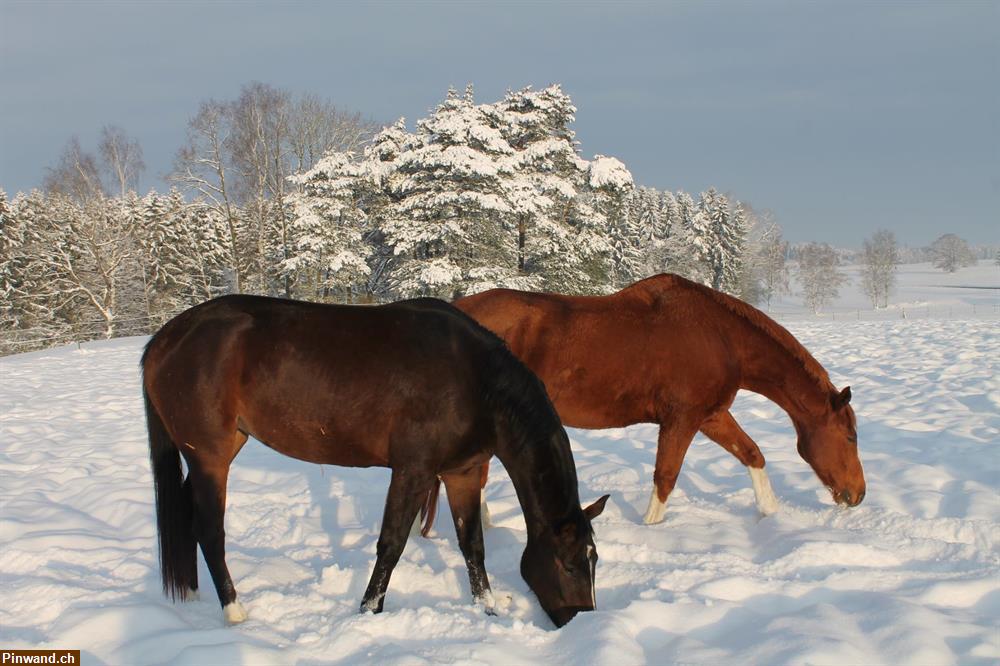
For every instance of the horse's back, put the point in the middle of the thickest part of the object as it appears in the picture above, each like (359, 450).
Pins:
(612, 360)
(335, 384)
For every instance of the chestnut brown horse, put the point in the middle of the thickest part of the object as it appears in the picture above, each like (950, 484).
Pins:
(416, 386)
(669, 351)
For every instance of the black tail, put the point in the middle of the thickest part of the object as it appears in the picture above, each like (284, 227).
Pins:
(429, 510)
(174, 510)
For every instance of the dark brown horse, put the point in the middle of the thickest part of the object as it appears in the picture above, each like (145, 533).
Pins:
(416, 386)
(669, 351)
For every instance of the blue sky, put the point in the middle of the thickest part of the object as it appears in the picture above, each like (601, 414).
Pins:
(839, 117)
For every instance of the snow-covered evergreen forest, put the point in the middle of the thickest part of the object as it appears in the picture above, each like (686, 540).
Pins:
(295, 198)
(475, 196)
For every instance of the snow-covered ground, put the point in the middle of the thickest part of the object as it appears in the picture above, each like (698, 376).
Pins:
(910, 576)
(921, 291)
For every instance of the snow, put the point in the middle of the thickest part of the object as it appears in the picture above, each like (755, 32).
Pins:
(609, 172)
(911, 576)
(921, 291)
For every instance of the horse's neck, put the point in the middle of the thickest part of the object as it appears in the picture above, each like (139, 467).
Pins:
(776, 372)
(543, 477)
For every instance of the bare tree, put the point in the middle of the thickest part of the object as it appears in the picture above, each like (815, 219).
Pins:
(258, 146)
(122, 158)
(880, 259)
(86, 256)
(76, 176)
(317, 127)
(239, 156)
(202, 166)
(950, 253)
(767, 273)
(818, 275)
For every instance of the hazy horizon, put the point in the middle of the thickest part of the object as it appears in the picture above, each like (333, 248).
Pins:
(839, 118)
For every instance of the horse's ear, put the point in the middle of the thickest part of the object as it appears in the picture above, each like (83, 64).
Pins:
(595, 509)
(839, 400)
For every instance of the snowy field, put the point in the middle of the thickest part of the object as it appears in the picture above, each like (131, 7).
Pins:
(911, 576)
(921, 292)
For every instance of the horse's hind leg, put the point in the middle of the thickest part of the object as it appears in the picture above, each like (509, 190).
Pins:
(191, 554)
(464, 499)
(673, 442)
(723, 429)
(484, 511)
(406, 491)
(208, 484)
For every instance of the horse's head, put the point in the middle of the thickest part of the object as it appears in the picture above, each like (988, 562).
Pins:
(559, 565)
(830, 445)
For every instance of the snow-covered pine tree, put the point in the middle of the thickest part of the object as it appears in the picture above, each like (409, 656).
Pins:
(12, 262)
(691, 247)
(611, 185)
(381, 201)
(15, 273)
(448, 231)
(645, 209)
(32, 308)
(727, 231)
(328, 252)
(553, 249)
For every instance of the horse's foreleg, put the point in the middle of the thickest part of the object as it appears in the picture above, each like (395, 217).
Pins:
(407, 490)
(672, 444)
(208, 485)
(723, 429)
(464, 492)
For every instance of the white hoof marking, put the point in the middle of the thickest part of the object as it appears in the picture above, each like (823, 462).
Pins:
(234, 613)
(190, 595)
(488, 603)
(767, 501)
(656, 509)
(371, 606)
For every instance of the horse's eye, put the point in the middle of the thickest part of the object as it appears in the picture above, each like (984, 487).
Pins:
(566, 567)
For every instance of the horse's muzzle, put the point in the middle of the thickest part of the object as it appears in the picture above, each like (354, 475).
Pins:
(849, 498)
(561, 616)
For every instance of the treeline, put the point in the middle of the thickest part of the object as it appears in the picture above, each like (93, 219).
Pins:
(295, 198)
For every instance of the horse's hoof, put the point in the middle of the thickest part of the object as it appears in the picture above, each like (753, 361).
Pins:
(767, 509)
(656, 509)
(487, 602)
(190, 595)
(767, 501)
(234, 613)
(370, 606)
